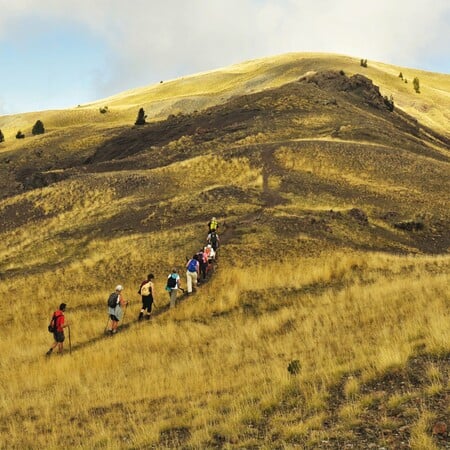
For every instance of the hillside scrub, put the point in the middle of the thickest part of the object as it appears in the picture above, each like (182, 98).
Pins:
(324, 322)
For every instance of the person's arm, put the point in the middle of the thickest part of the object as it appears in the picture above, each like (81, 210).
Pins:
(60, 322)
(122, 301)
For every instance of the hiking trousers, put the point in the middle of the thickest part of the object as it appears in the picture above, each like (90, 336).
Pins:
(191, 278)
(173, 297)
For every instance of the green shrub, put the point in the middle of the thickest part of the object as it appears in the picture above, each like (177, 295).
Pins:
(141, 117)
(389, 102)
(294, 367)
(38, 128)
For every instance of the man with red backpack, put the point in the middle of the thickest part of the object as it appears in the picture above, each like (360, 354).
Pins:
(57, 325)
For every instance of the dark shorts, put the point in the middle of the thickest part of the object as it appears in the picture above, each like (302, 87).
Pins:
(147, 302)
(59, 336)
(114, 318)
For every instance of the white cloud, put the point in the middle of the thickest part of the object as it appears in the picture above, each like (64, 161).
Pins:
(150, 40)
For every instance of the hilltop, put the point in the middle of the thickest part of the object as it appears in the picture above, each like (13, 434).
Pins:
(335, 230)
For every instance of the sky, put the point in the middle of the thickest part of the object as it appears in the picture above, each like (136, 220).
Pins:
(60, 53)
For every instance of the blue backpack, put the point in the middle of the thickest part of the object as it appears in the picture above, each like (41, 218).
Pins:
(192, 267)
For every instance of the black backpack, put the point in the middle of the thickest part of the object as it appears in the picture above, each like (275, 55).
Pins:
(171, 282)
(52, 324)
(213, 239)
(112, 300)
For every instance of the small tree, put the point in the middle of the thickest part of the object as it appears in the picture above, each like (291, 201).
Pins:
(38, 128)
(20, 135)
(2, 138)
(103, 110)
(389, 102)
(416, 85)
(141, 117)
(400, 75)
(363, 63)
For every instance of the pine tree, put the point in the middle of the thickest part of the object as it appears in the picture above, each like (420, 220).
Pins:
(2, 138)
(38, 128)
(141, 117)
(416, 85)
(20, 135)
(400, 75)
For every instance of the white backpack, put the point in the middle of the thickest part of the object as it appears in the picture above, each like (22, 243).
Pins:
(145, 289)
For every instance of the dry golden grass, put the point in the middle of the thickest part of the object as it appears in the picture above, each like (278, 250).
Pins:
(216, 366)
(291, 283)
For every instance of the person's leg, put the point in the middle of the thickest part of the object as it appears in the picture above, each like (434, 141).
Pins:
(173, 298)
(149, 309)
(52, 347)
(141, 314)
(194, 278)
(203, 269)
(110, 324)
(188, 282)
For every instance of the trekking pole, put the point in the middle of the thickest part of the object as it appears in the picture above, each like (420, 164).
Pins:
(126, 307)
(70, 343)
(107, 323)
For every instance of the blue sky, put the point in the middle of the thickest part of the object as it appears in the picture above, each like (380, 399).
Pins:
(61, 53)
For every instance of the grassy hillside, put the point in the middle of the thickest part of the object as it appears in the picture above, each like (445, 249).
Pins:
(325, 323)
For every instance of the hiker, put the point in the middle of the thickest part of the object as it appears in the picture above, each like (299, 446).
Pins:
(210, 253)
(173, 284)
(213, 225)
(58, 323)
(203, 262)
(116, 308)
(146, 291)
(213, 239)
(192, 272)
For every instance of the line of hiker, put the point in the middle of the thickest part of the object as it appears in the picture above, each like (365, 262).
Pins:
(197, 269)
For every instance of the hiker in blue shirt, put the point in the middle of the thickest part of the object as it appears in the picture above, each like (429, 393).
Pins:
(192, 272)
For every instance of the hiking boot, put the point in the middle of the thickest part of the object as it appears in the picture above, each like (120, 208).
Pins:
(148, 317)
(113, 331)
(49, 352)
(141, 315)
